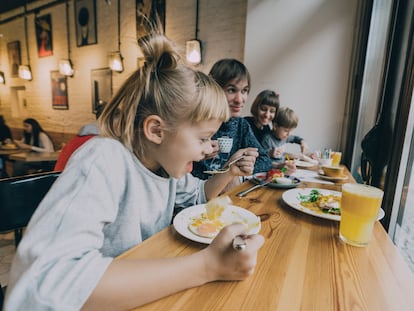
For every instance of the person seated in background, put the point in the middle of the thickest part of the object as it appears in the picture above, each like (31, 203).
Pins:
(284, 123)
(5, 138)
(34, 139)
(85, 133)
(234, 78)
(263, 110)
(5, 133)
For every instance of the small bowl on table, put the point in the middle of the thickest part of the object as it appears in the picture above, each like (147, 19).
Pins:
(333, 170)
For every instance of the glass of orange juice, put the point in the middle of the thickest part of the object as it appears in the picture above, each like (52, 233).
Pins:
(336, 158)
(360, 205)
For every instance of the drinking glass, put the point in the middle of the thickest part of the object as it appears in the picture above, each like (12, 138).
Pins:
(360, 205)
(336, 158)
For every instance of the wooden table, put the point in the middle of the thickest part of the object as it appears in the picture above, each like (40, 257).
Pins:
(31, 156)
(302, 266)
(7, 152)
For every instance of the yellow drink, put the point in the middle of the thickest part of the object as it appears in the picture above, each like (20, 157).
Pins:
(360, 205)
(336, 158)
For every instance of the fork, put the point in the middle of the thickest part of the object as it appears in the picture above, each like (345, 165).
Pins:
(226, 169)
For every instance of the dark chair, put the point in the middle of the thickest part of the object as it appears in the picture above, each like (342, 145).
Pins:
(1, 297)
(19, 198)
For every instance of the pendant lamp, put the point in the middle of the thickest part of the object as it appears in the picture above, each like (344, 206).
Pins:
(25, 72)
(115, 60)
(65, 65)
(193, 47)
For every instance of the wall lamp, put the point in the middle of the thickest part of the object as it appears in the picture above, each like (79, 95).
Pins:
(193, 47)
(2, 78)
(24, 70)
(65, 65)
(115, 60)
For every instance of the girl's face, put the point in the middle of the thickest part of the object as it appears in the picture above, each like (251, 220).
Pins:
(27, 127)
(191, 142)
(236, 94)
(281, 132)
(266, 114)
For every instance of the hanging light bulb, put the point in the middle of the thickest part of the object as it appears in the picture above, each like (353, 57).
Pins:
(193, 47)
(193, 51)
(115, 60)
(2, 78)
(25, 73)
(65, 65)
(24, 70)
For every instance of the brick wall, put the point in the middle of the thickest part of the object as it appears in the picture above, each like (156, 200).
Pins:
(222, 31)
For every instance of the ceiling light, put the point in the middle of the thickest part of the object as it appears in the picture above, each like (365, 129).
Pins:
(115, 60)
(65, 65)
(193, 47)
(25, 73)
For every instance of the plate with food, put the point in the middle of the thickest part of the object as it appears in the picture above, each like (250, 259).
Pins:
(201, 223)
(317, 202)
(9, 147)
(304, 164)
(278, 177)
(331, 178)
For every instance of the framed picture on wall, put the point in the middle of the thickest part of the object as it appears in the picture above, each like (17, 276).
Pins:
(15, 57)
(150, 13)
(101, 86)
(59, 90)
(85, 21)
(43, 25)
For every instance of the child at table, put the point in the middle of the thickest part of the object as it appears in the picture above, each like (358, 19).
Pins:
(234, 78)
(263, 110)
(284, 123)
(120, 188)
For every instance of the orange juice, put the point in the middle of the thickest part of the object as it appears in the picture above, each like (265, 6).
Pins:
(336, 158)
(360, 205)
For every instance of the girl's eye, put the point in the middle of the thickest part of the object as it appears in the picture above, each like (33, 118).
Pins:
(245, 91)
(204, 140)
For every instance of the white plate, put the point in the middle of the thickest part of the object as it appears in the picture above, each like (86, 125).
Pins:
(291, 198)
(339, 178)
(261, 177)
(232, 213)
(300, 163)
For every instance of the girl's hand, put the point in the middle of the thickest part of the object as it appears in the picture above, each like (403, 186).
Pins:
(223, 262)
(244, 166)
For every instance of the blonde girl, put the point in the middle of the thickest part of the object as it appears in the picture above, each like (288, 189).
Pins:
(121, 188)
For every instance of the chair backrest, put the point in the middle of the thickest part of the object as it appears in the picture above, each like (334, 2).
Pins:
(20, 196)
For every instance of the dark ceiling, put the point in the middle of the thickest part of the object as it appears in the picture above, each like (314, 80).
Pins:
(7, 5)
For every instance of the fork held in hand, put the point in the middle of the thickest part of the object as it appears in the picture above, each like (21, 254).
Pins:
(226, 168)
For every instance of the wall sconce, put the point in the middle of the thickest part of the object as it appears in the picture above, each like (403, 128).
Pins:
(193, 47)
(65, 65)
(24, 70)
(2, 78)
(115, 60)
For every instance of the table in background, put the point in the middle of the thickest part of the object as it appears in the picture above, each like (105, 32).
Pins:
(302, 265)
(31, 156)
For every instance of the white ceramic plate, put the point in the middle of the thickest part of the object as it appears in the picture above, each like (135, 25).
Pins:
(291, 198)
(232, 214)
(339, 178)
(261, 177)
(304, 164)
